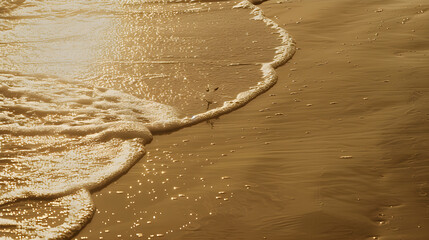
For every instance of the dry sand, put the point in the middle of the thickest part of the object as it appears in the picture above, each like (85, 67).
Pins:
(338, 149)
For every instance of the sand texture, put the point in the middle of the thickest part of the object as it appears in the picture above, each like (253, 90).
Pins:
(338, 149)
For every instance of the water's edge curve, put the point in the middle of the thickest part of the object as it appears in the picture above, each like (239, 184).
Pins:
(269, 75)
(76, 196)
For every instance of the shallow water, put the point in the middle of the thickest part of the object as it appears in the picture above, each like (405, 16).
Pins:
(84, 85)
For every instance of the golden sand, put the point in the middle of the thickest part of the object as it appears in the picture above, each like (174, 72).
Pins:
(338, 149)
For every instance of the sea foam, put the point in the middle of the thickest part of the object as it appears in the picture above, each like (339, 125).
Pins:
(269, 78)
(61, 139)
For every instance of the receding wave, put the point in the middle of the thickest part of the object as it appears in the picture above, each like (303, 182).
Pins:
(60, 139)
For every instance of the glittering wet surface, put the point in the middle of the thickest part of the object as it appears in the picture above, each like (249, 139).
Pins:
(79, 81)
(169, 53)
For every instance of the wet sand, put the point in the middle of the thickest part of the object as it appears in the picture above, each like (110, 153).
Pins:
(338, 149)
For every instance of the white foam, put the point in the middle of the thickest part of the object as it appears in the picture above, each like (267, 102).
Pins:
(80, 210)
(43, 96)
(8, 222)
(269, 78)
(66, 175)
(76, 207)
(93, 135)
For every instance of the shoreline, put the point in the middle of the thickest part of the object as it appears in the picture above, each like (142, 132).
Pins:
(337, 149)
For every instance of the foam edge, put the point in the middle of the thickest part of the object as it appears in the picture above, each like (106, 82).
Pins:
(80, 211)
(269, 78)
(132, 151)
